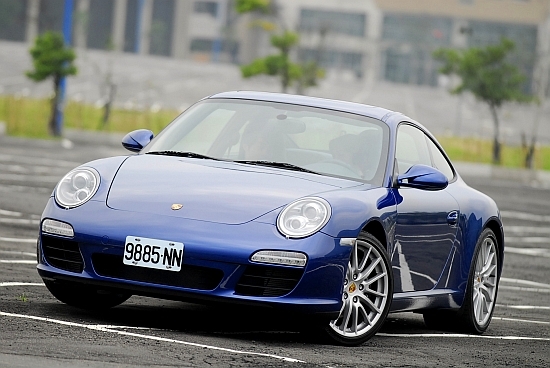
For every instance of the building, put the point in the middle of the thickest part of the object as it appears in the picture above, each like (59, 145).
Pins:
(392, 40)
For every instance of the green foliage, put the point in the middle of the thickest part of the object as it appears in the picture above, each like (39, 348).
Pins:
(51, 58)
(305, 74)
(278, 64)
(245, 6)
(487, 74)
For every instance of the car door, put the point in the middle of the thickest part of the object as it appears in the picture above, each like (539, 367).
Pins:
(426, 219)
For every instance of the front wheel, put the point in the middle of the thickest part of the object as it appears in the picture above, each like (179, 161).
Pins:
(367, 294)
(85, 297)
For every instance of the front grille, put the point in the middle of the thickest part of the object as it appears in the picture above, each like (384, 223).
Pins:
(268, 281)
(62, 253)
(192, 277)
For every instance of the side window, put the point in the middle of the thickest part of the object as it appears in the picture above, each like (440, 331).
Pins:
(439, 161)
(411, 149)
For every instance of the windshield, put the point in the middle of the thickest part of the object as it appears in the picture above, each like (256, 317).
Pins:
(275, 134)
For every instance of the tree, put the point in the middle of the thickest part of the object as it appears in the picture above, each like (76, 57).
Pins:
(486, 73)
(280, 64)
(51, 59)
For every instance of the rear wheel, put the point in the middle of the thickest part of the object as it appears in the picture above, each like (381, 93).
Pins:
(84, 296)
(479, 303)
(367, 294)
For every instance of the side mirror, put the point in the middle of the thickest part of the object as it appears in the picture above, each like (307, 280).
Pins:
(423, 177)
(136, 140)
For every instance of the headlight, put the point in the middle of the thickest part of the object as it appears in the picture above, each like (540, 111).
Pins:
(304, 217)
(77, 187)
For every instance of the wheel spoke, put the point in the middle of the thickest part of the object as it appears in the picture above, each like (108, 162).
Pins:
(375, 278)
(370, 269)
(355, 317)
(487, 294)
(367, 290)
(370, 304)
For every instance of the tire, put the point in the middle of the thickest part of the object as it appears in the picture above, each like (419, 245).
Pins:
(481, 292)
(85, 297)
(367, 293)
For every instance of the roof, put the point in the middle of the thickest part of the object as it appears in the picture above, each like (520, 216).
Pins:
(337, 105)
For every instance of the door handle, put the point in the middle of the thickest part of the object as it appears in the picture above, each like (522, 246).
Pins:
(452, 218)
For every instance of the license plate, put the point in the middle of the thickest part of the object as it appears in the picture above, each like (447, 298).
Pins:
(153, 253)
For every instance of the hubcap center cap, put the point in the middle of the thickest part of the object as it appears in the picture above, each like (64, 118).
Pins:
(352, 287)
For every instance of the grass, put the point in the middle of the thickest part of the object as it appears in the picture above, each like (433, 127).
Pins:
(29, 117)
(479, 150)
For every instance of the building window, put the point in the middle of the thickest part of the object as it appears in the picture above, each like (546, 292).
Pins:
(334, 59)
(206, 7)
(417, 29)
(353, 24)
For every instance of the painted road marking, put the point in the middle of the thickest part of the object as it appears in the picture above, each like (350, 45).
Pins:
(38, 161)
(18, 240)
(3, 284)
(521, 320)
(17, 261)
(18, 253)
(465, 336)
(524, 282)
(527, 239)
(18, 221)
(102, 328)
(525, 216)
(523, 306)
(536, 252)
(526, 229)
(519, 288)
(10, 213)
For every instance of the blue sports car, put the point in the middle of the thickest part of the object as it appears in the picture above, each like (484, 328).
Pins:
(341, 211)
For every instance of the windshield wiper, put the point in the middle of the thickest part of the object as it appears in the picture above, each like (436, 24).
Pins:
(181, 154)
(283, 165)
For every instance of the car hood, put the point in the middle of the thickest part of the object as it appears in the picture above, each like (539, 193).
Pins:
(208, 190)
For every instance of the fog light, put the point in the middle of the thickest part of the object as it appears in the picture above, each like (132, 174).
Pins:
(57, 228)
(280, 257)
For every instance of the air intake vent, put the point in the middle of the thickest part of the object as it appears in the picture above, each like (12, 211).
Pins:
(268, 281)
(62, 253)
(192, 277)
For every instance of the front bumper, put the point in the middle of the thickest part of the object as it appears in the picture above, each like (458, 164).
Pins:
(216, 263)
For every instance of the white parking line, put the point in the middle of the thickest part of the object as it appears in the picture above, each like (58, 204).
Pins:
(465, 336)
(10, 213)
(519, 288)
(525, 216)
(103, 328)
(4, 284)
(527, 240)
(536, 252)
(526, 230)
(18, 240)
(521, 320)
(18, 221)
(18, 253)
(524, 282)
(523, 306)
(17, 261)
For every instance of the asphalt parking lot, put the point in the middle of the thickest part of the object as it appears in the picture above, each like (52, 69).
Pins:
(37, 330)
